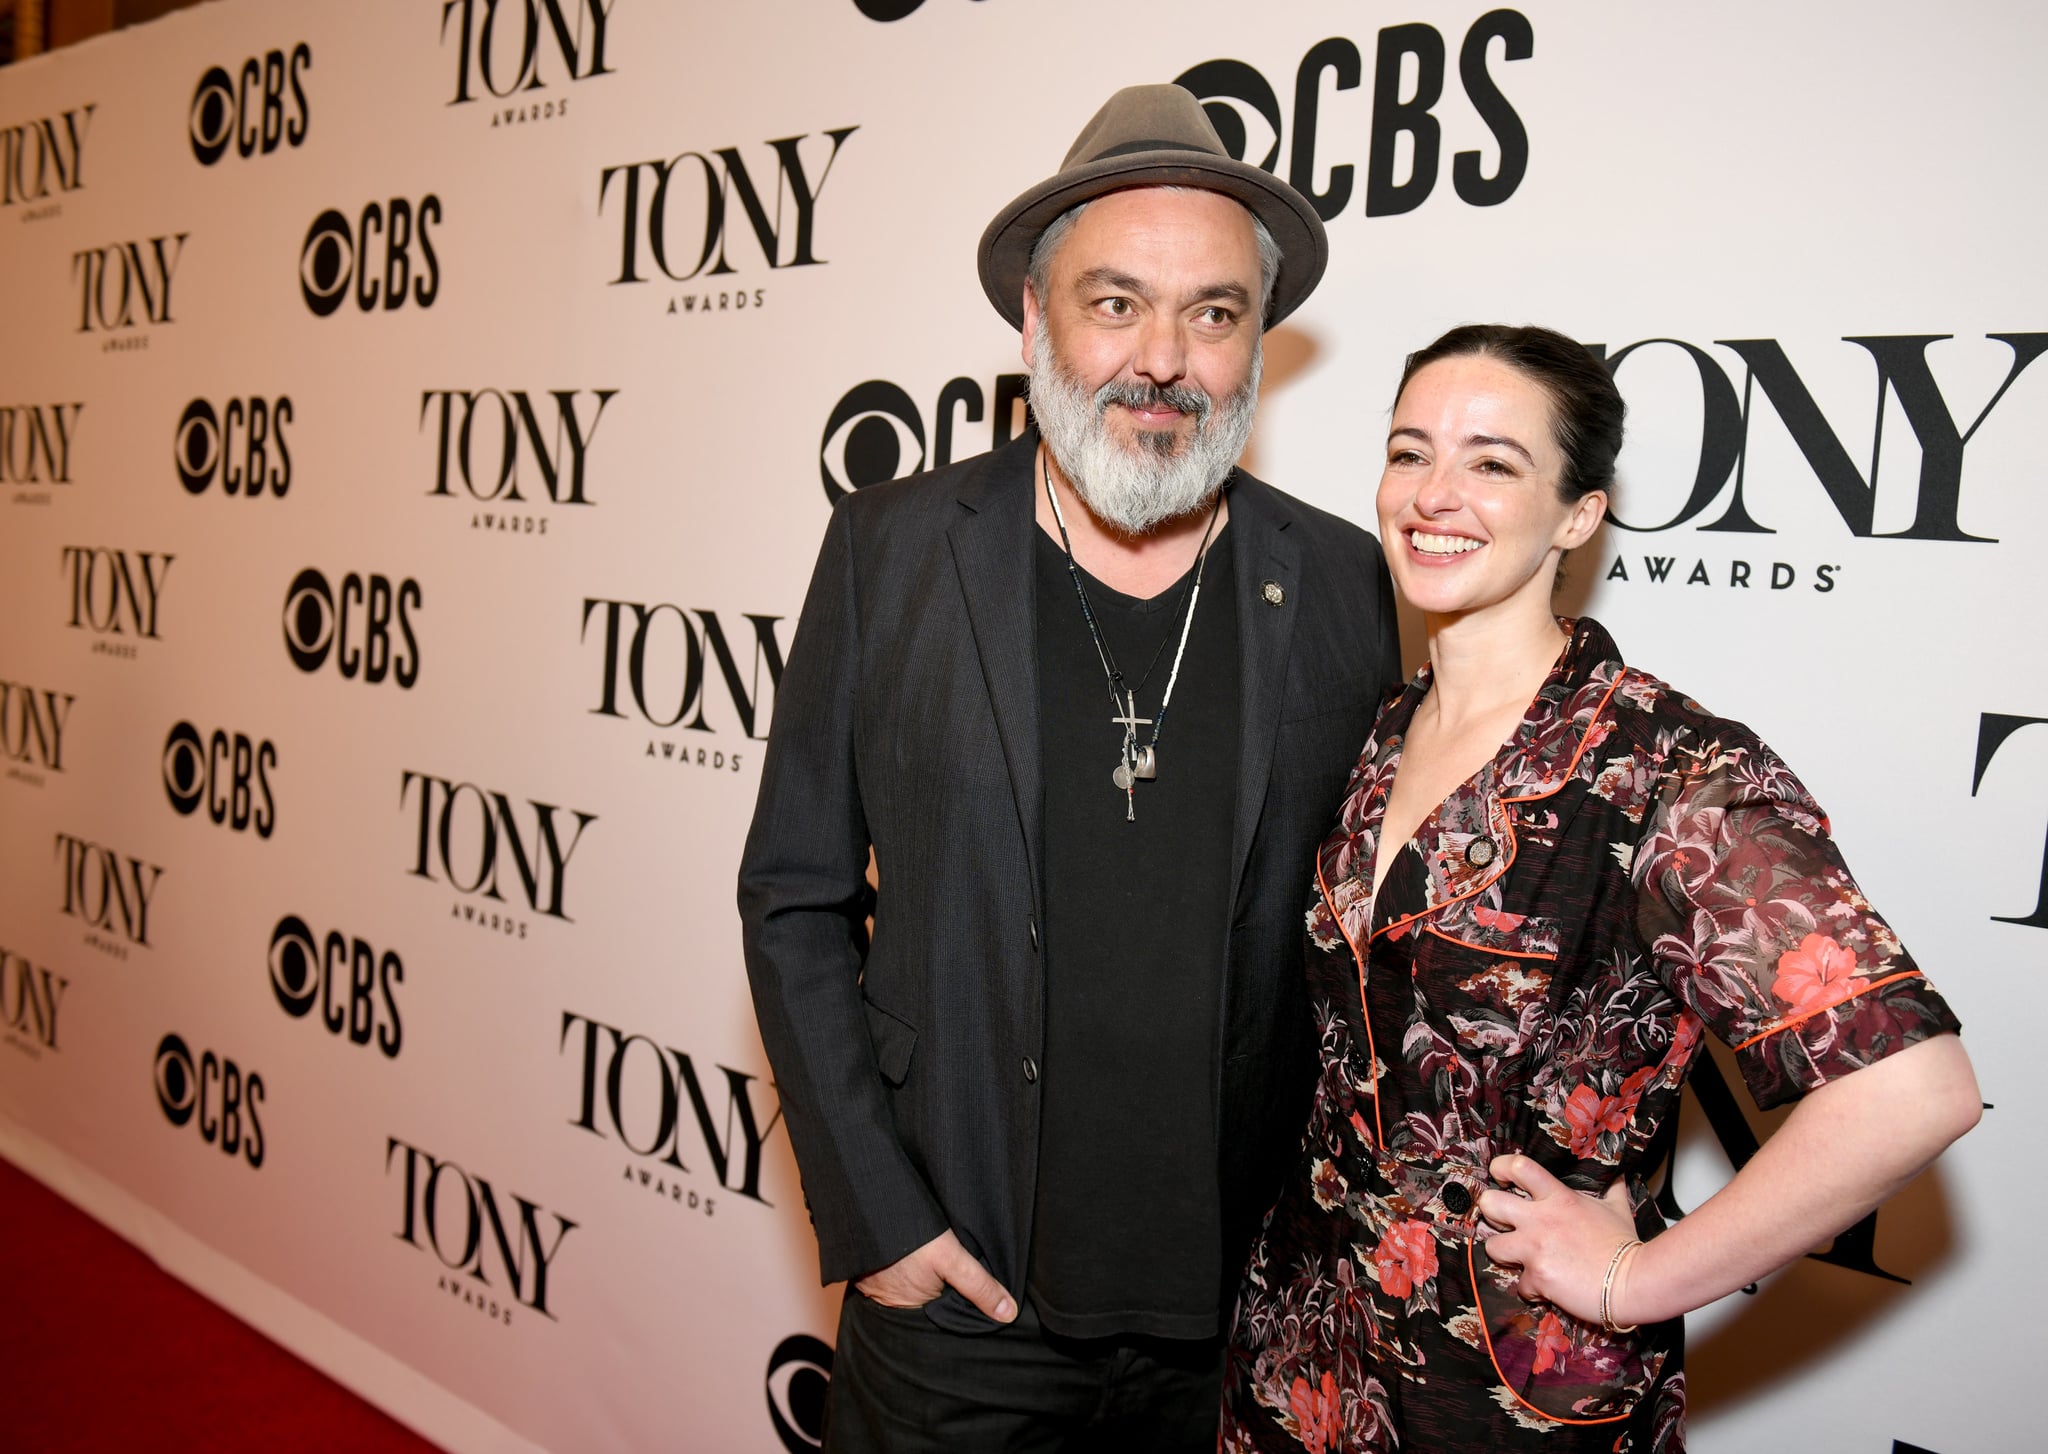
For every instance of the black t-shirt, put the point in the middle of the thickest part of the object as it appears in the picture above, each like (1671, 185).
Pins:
(1127, 1233)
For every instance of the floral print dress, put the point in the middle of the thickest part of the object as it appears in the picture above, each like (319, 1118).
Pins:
(1536, 976)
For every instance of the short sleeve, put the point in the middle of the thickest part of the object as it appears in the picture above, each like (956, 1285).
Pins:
(1755, 924)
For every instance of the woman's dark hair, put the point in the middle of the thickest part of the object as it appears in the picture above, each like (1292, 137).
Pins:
(1585, 408)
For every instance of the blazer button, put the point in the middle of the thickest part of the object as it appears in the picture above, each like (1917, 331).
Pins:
(1457, 1200)
(1030, 1071)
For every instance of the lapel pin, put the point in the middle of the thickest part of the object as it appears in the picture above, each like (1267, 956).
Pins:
(1272, 592)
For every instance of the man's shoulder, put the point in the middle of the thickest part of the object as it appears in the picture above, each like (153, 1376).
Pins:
(1318, 529)
(933, 496)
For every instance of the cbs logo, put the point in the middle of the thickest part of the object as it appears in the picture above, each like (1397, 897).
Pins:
(222, 112)
(375, 253)
(302, 976)
(235, 445)
(213, 1091)
(877, 433)
(225, 774)
(353, 627)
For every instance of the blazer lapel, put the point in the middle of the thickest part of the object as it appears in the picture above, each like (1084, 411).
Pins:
(992, 552)
(1268, 563)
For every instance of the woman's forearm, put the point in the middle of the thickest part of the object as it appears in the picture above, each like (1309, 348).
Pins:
(1844, 1149)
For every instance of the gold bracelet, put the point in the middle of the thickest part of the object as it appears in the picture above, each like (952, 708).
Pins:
(1607, 1289)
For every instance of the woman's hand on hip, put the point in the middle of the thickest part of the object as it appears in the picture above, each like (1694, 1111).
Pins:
(1564, 1241)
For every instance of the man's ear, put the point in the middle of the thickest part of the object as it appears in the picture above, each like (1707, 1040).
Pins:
(1033, 321)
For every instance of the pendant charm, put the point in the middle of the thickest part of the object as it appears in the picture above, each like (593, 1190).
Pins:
(1145, 767)
(1122, 778)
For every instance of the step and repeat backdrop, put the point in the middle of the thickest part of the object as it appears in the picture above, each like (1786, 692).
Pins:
(417, 422)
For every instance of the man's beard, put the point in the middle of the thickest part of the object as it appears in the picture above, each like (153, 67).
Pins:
(1135, 487)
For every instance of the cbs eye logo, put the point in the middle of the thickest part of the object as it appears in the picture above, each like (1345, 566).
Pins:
(177, 1082)
(294, 975)
(799, 1372)
(354, 627)
(185, 769)
(1240, 104)
(309, 620)
(868, 437)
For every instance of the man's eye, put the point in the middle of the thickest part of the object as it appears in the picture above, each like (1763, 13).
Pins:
(1117, 307)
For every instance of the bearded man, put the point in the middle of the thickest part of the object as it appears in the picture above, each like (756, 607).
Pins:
(1090, 699)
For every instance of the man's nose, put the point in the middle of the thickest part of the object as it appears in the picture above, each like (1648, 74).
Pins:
(1162, 356)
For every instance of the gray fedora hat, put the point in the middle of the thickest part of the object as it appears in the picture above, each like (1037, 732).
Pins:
(1153, 136)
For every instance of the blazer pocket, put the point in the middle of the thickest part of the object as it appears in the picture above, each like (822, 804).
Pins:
(894, 1039)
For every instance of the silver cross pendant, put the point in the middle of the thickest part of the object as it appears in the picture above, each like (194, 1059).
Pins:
(1135, 761)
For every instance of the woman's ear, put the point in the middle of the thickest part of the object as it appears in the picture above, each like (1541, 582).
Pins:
(1584, 518)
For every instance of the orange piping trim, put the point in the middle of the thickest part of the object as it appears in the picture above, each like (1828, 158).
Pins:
(1573, 765)
(1508, 858)
(1507, 862)
(1371, 1054)
(1484, 948)
(1876, 984)
(1487, 1333)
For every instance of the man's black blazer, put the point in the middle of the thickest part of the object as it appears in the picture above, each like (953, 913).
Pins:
(906, 719)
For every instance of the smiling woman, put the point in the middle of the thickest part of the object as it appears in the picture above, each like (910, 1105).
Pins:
(1550, 878)
(1500, 458)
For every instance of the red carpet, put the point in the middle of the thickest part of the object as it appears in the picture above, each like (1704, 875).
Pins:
(102, 1350)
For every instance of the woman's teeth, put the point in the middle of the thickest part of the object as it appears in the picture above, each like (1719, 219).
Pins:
(1442, 544)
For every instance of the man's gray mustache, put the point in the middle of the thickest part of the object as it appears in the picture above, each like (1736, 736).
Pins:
(1183, 397)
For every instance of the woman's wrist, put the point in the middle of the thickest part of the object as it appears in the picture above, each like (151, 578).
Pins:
(1613, 1287)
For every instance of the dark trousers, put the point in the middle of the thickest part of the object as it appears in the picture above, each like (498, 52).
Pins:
(901, 1385)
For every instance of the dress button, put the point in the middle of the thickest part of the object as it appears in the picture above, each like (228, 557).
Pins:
(1030, 1071)
(1457, 1200)
(1479, 852)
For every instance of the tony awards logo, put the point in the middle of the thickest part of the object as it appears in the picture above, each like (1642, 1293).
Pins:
(520, 54)
(42, 160)
(675, 219)
(30, 996)
(483, 845)
(657, 661)
(1733, 501)
(496, 1249)
(35, 449)
(507, 451)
